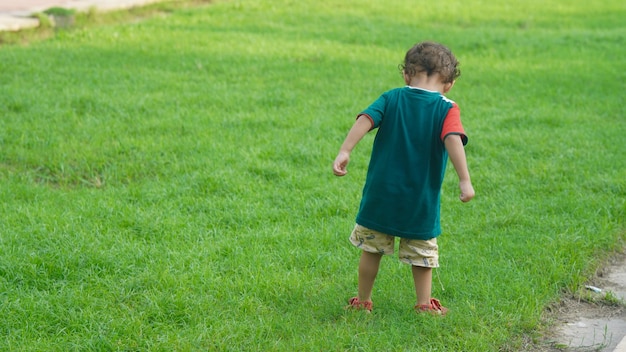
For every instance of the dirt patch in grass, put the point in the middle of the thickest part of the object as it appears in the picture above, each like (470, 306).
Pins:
(588, 320)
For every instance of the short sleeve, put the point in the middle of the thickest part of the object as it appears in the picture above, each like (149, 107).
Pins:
(452, 124)
(376, 111)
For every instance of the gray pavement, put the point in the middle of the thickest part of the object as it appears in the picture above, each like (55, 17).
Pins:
(17, 14)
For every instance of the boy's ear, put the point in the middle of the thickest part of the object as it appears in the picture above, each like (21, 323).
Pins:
(448, 86)
(407, 79)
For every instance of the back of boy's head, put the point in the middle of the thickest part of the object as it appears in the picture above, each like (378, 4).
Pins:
(431, 58)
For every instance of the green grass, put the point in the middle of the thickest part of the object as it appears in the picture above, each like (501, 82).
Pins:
(165, 183)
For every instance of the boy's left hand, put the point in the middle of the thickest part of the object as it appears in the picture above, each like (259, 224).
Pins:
(467, 191)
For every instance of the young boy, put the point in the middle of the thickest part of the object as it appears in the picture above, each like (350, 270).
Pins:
(418, 128)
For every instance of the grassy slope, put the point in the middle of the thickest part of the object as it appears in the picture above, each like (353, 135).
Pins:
(166, 184)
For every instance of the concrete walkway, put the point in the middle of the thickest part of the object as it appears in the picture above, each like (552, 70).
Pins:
(16, 14)
(622, 346)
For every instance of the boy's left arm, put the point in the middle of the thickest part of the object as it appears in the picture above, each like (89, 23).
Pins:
(456, 152)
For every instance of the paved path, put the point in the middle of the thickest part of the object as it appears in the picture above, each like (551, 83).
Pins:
(622, 346)
(16, 14)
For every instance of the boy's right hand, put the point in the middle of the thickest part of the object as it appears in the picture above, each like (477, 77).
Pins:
(341, 163)
(467, 191)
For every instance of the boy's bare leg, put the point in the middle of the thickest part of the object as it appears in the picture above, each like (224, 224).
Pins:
(368, 269)
(423, 279)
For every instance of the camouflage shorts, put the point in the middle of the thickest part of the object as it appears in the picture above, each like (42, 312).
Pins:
(423, 253)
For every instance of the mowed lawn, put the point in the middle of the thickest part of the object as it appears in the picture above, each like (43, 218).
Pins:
(166, 184)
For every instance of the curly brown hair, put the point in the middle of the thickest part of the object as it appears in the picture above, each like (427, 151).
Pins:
(432, 58)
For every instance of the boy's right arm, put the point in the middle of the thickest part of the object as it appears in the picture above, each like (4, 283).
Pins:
(361, 126)
(456, 152)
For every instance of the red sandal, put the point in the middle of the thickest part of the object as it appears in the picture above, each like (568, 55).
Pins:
(354, 303)
(434, 308)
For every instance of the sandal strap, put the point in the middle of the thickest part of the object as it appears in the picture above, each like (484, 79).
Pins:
(433, 307)
(356, 303)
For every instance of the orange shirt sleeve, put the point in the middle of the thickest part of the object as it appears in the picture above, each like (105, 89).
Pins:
(452, 124)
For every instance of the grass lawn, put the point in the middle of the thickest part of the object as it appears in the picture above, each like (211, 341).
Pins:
(166, 183)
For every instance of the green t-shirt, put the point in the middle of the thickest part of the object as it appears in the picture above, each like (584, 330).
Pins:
(402, 192)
